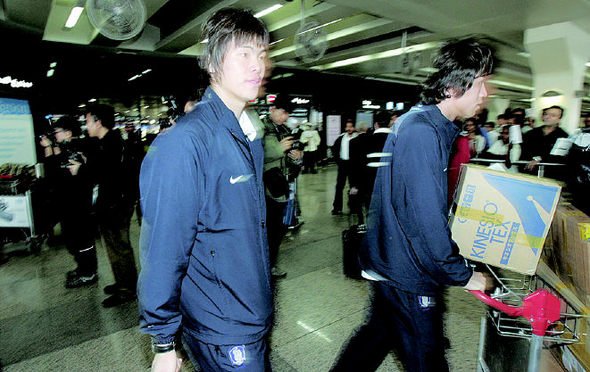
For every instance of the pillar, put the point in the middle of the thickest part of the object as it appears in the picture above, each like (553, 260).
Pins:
(559, 53)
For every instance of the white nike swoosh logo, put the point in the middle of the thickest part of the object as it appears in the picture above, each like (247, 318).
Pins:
(242, 178)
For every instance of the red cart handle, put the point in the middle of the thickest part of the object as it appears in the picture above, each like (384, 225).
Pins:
(540, 308)
(510, 310)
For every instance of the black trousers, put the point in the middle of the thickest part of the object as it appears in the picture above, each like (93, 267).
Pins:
(344, 168)
(114, 228)
(309, 161)
(275, 230)
(405, 322)
(78, 231)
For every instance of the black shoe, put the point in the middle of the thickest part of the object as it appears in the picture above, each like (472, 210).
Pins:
(336, 212)
(72, 273)
(117, 299)
(81, 280)
(296, 225)
(111, 289)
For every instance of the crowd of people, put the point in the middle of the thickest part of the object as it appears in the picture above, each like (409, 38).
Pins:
(218, 193)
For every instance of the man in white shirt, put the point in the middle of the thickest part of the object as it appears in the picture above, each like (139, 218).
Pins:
(341, 152)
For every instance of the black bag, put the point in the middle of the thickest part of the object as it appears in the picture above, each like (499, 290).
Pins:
(351, 243)
(276, 182)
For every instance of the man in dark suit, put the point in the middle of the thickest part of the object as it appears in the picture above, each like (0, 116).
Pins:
(341, 153)
(359, 149)
(375, 150)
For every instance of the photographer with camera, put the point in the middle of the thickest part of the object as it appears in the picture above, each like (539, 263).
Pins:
(281, 164)
(73, 198)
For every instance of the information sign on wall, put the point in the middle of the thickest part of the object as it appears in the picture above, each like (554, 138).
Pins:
(17, 137)
(333, 124)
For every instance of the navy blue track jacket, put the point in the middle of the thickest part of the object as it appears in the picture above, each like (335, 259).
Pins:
(203, 245)
(408, 241)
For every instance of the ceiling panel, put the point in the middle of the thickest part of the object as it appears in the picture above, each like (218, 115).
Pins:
(365, 30)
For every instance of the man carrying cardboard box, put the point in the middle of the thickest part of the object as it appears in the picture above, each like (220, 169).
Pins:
(408, 253)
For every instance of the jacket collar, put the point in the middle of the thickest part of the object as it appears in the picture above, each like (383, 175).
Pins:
(446, 128)
(225, 116)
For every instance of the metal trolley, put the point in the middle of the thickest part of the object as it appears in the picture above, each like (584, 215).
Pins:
(16, 214)
(529, 308)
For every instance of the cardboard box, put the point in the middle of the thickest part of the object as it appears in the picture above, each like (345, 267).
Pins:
(579, 353)
(502, 219)
(570, 234)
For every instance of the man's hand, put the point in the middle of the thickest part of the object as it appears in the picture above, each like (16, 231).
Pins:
(353, 191)
(295, 154)
(45, 142)
(166, 362)
(478, 282)
(286, 143)
(531, 164)
(75, 167)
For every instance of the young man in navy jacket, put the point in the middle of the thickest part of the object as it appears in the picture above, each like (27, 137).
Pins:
(204, 253)
(408, 253)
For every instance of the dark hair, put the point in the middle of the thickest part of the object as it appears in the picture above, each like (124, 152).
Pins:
(224, 27)
(382, 118)
(104, 113)
(282, 102)
(458, 64)
(554, 107)
(518, 111)
(490, 124)
(68, 124)
(502, 116)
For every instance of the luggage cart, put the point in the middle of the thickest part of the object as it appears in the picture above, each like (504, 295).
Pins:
(16, 214)
(527, 308)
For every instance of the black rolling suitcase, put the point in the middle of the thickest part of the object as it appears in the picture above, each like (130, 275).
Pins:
(351, 243)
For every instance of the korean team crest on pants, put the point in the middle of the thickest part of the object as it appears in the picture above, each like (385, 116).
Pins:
(237, 355)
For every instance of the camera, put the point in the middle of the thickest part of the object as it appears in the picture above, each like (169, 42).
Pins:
(297, 145)
(75, 156)
(296, 136)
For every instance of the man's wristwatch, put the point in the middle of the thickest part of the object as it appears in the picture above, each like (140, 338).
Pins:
(163, 348)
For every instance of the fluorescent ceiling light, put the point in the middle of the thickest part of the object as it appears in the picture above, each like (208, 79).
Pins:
(74, 16)
(506, 84)
(380, 55)
(316, 27)
(525, 54)
(268, 10)
(428, 70)
(81, 105)
(92, 100)
(146, 71)
(50, 72)
(53, 64)
(133, 77)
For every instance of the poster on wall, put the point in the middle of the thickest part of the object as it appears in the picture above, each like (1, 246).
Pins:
(365, 116)
(14, 211)
(332, 128)
(17, 142)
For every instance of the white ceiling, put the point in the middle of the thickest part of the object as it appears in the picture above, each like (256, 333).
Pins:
(367, 35)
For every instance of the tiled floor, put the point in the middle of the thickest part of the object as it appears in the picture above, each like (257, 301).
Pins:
(44, 327)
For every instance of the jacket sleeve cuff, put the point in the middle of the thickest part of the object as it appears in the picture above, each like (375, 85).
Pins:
(161, 340)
